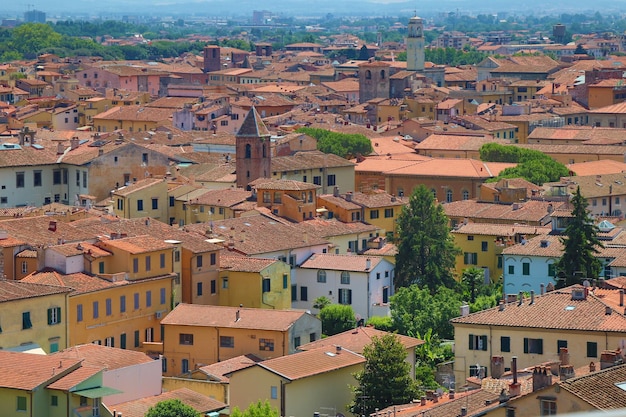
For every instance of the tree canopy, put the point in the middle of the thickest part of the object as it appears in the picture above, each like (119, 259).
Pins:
(386, 378)
(581, 244)
(259, 409)
(532, 165)
(426, 251)
(346, 145)
(336, 318)
(171, 408)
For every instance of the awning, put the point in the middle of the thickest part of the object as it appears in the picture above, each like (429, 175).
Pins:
(27, 348)
(97, 392)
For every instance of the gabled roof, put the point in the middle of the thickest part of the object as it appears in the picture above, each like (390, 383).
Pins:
(352, 263)
(232, 317)
(104, 356)
(356, 339)
(253, 126)
(600, 389)
(219, 370)
(555, 310)
(139, 408)
(18, 290)
(311, 362)
(26, 371)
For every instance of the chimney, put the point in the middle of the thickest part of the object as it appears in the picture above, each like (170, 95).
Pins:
(60, 149)
(514, 387)
(542, 289)
(592, 367)
(497, 366)
(349, 196)
(465, 309)
(52, 226)
(368, 264)
(564, 356)
(532, 297)
(74, 142)
(336, 192)
(608, 310)
(541, 378)
(423, 400)
(566, 372)
(520, 298)
(608, 358)
(338, 349)
(100, 152)
(463, 411)
(237, 316)
(451, 394)
(621, 298)
(501, 305)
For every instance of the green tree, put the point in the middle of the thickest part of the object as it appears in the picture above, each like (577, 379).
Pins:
(337, 318)
(259, 409)
(342, 144)
(581, 244)
(472, 279)
(426, 251)
(31, 38)
(415, 311)
(171, 408)
(381, 323)
(321, 302)
(385, 379)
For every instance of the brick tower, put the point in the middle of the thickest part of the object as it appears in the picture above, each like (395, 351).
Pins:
(252, 142)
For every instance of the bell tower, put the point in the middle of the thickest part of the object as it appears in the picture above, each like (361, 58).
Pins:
(415, 45)
(253, 159)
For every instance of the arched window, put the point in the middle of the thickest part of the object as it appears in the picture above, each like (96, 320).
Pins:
(465, 195)
(345, 278)
(382, 75)
(368, 75)
(321, 276)
(449, 196)
(248, 151)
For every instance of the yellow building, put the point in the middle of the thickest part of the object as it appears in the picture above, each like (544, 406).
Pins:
(299, 385)
(132, 118)
(481, 245)
(217, 204)
(294, 200)
(33, 316)
(253, 282)
(535, 328)
(144, 198)
(41, 385)
(199, 335)
(379, 209)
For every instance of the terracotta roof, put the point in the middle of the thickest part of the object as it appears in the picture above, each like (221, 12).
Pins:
(135, 113)
(328, 228)
(139, 408)
(353, 263)
(282, 185)
(76, 377)
(543, 245)
(500, 229)
(253, 126)
(311, 362)
(219, 370)
(79, 282)
(137, 186)
(308, 160)
(25, 371)
(529, 211)
(356, 339)
(244, 263)
(104, 357)
(600, 389)
(226, 317)
(227, 197)
(555, 310)
(601, 167)
(472, 401)
(19, 290)
(139, 244)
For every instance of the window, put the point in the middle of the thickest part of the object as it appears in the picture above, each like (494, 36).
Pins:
(304, 294)
(155, 204)
(470, 258)
(317, 180)
(144, 158)
(592, 350)
(108, 307)
(510, 412)
(478, 371)
(149, 334)
(533, 346)
(296, 341)
(79, 313)
(225, 283)
(139, 205)
(78, 178)
(56, 177)
(172, 201)
(345, 278)
(135, 265)
(312, 337)
(54, 400)
(505, 344)
(547, 407)
(274, 392)
(213, 286)
(136, 338)
(185, 339)
(185, 366)
(477, 342)
(136, 301)
(95, 310)
(248, 153)
(24, 267)
(21, 403)
(122, 304)
(84, 179)
(213, 259)
(199, 261)
(123, 341)
(470, 237)
(285, 281)
(560, 344)
(19, 179)
(162, 260)
(373, 214)
(266, 345)
(120, 204)
(227, 341)
(109, 341)
(345, 296)
(321, 276)
(331, 180)
(101, 267)
(37, 178)
(162, 296)
(148, 263)
(449, 196)
(551, 270)
(54, 315)
(267, 197)
(294, 292)
(199, 289)
(388, 213)
(266, 285)
(484, 246)
(465, 195)
(526, 268)
(148, 298)
(511, 269)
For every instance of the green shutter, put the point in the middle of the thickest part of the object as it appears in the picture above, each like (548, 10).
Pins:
(484, 341)
(59, 315)
(540, 346)
(525, 345)
(471, 342)
(49, 316)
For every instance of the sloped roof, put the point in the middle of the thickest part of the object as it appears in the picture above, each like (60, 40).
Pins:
(139, 408)
(600, 388)
(104, 356)
(253, 126)
(25, 371)
(356, 339)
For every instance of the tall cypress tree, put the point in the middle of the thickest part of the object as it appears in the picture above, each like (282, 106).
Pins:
(581, 244)
(426, 251)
